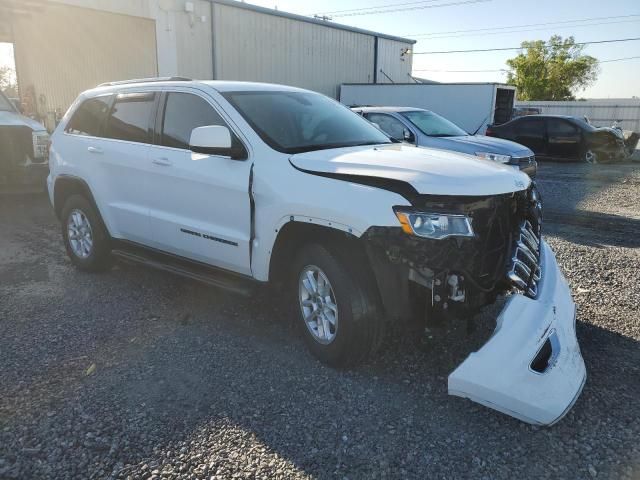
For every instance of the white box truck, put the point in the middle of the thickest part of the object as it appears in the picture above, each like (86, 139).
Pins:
(472, 106)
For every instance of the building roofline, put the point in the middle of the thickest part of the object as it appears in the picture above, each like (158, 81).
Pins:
(511, 87)
(302, 18)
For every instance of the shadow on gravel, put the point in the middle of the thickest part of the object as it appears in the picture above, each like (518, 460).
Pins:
(594, 228)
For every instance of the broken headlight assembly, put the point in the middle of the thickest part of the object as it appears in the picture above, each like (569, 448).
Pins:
(435, 226)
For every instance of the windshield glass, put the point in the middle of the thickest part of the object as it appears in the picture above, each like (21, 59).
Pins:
(295, 122)
(433, 125)
(5, 104)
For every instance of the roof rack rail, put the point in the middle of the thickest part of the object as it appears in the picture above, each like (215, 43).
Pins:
(146, 80)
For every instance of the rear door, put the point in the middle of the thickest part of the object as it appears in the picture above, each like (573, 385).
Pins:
(564, 138)
(121, 163)
(531, 132)
(200, 203)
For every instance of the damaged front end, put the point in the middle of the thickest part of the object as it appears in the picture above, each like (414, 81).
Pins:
(531, 368)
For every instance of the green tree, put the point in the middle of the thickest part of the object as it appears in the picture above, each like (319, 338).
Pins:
(553, 70)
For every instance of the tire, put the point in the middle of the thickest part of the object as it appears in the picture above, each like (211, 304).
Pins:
(358, 328)
(93, 257)
(590, 157)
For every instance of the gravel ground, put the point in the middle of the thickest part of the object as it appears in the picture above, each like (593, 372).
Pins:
(138, 374)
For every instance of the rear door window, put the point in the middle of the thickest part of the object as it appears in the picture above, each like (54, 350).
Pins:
(182, 113)
(533, 127)
(131, 117)
(89, 117)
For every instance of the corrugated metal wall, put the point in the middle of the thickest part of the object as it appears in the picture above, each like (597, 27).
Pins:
(391, 61)
(193, 41)
(252, 46)
(64, 50)
(601, 112)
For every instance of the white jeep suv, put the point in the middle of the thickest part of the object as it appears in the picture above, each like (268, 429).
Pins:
(238, 184)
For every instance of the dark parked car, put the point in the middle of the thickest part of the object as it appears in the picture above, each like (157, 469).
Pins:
(24, 148)
(563, 138)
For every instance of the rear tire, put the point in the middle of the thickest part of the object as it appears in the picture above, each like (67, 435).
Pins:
(85, 236)
(344, 324)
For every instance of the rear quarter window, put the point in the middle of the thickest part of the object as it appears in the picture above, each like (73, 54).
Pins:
(89, 117)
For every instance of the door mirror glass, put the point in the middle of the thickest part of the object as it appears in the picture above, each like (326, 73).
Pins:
(215, 140)
(408, 136)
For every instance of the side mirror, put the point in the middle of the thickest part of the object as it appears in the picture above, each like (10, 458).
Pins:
(215, 140)
(408, 136)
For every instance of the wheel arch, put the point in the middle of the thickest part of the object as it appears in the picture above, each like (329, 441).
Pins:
(293, 235)
(67, 185)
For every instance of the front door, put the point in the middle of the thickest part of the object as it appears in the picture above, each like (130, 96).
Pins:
(200, 206)
(564, 138)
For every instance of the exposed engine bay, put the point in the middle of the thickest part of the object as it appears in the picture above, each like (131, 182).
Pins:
(459, 275)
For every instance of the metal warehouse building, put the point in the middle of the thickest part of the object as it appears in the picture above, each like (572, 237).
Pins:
(65, 46)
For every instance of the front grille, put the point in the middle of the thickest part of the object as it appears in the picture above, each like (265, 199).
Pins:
(525, 272)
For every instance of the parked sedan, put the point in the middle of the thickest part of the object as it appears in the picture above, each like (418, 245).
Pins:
(428, 129)
(559, 137)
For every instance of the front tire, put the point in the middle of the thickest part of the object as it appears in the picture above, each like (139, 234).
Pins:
(85, 236)
(336, 307)
(591, 157)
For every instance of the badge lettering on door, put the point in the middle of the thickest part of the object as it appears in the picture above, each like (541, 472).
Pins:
(208, 237)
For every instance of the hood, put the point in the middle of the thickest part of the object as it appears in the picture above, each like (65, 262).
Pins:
(481, 143)
(14, 119)
(614, 131)
(427, 170)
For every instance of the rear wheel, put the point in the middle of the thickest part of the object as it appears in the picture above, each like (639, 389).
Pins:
(85, 237)
(336, 306)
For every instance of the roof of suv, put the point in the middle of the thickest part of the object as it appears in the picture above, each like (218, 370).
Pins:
(388, 109)
(219, 85)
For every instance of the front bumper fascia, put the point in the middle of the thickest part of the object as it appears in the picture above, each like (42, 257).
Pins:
(500, 374)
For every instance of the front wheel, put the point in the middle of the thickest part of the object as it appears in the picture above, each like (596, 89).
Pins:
(336, 306)
(591, 157)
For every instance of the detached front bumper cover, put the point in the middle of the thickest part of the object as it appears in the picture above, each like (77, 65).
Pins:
(531, 368)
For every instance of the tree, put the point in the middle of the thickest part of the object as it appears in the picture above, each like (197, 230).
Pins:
(553, 70)
(8, 81)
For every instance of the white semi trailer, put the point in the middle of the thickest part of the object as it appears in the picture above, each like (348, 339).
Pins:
(472, 106)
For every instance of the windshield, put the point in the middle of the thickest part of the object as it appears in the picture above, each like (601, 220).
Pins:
(5, 104)
(296, 122)
(433, 125)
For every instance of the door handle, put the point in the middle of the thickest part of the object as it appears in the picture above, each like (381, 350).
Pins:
(163, 162)
(95, 150)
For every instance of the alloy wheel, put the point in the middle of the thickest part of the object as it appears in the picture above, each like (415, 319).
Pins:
(318, 304)
(80, 234)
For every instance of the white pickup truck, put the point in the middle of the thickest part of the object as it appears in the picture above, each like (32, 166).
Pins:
(238, 184)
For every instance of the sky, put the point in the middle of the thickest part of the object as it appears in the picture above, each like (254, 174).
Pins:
(616, 79)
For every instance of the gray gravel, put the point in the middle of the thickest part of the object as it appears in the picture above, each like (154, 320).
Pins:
(189, 382)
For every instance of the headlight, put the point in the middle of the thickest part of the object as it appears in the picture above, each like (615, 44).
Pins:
(494, 157)
(434, 225)
(40, 144)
